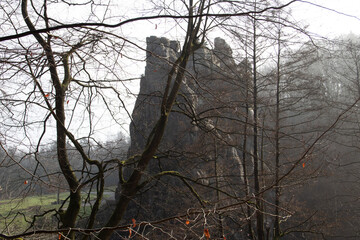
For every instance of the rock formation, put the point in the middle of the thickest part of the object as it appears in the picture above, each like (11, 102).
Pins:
(204, 135)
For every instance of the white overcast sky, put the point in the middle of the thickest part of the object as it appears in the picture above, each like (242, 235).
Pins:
(337, 17)
(321, 21)
(326, 22)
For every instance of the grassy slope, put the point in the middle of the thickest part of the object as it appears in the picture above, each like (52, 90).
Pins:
(16, 214)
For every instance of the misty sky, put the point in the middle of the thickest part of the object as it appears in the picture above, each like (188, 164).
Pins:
(326, 22)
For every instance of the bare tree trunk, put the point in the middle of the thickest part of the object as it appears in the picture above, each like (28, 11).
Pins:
(259, 210)
(221, 228)
(277, 232)
(245, 149)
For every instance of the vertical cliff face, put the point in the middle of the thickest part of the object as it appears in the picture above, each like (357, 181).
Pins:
(212, 85)
(203, 137)
(161, 53)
